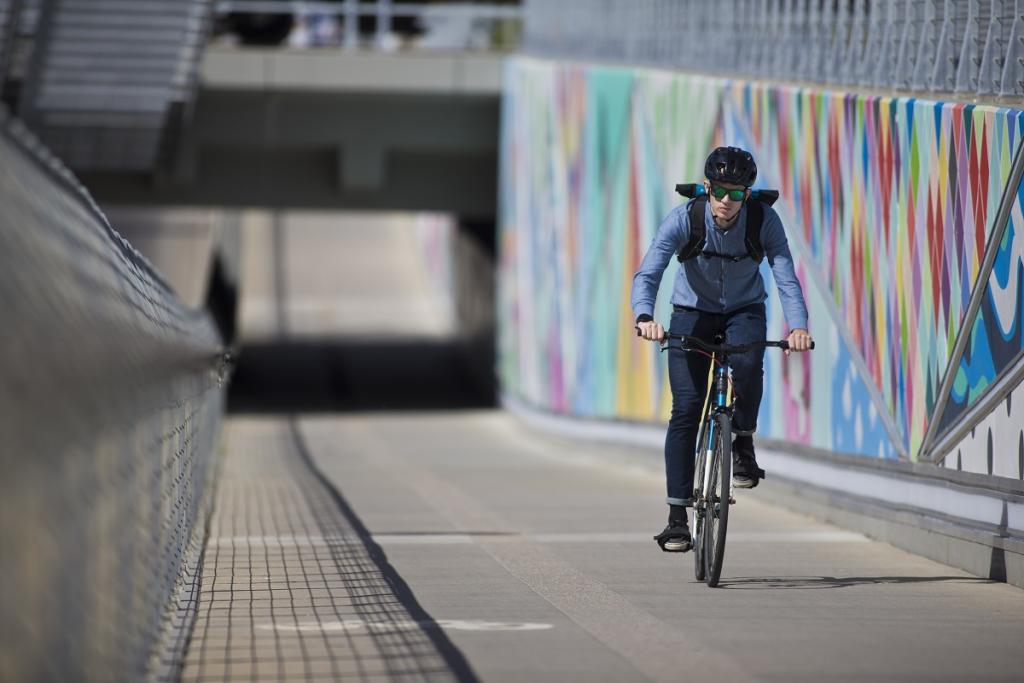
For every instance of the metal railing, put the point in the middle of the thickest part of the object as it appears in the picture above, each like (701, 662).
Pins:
(7, 21)
(384, 12)
(106, 79)
(973, 48)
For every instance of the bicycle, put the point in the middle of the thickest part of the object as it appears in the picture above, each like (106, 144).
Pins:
(712, 481)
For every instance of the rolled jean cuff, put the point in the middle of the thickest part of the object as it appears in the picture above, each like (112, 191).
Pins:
(685, 502)
(736, 431)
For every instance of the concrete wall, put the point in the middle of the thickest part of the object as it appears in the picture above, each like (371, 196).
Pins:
(890, 204)
(991, 365)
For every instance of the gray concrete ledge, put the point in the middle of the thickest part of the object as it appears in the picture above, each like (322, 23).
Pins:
(964, 520)
(270, 69)
(980, 551)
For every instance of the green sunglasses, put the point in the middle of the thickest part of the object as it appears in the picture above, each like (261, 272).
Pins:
(719, 192)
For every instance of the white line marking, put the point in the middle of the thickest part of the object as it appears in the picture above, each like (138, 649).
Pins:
(348, 625)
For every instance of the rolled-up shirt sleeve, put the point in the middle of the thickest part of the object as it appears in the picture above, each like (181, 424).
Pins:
(791, 294)
(671, 233)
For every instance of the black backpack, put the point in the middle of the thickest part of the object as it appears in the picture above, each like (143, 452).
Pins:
(698, 235)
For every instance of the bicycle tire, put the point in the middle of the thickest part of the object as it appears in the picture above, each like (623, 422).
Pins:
(716, 517)
(698, 510)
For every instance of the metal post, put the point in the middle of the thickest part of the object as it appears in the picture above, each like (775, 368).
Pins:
(792, 23)
(823, 42)
(927, 47)
(351, 39)
(8, 26)
(809, 22)
(1013, 69)
(854, 56)
(904, 73)
(993, 57)
(970, 51)
(951, 37)
(840, 39)
(776, 40)
(383, 21)
(873, 42)
(765, 42)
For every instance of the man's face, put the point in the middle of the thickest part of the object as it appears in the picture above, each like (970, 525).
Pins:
(725, 209)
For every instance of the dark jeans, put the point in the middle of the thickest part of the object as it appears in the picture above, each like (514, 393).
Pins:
(688, 375)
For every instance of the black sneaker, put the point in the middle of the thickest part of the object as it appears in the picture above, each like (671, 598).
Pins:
(675, 538)
(745, 472)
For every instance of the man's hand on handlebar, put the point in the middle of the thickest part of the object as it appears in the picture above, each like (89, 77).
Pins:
(650, 330)
(799, 341)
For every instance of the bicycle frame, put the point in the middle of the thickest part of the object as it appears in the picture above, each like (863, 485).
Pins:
(720, 384)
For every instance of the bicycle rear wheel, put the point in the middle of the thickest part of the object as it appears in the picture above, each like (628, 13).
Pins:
(698, 507)
(716, 516)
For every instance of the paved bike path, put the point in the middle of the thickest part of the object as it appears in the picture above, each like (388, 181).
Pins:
(524, 557)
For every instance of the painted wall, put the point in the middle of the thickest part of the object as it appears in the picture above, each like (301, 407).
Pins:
(888, 205)
(994, 348)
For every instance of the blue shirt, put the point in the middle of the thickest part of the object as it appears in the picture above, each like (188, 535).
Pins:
(718, 285)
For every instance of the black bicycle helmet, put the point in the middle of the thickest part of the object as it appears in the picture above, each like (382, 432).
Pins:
(731, 165)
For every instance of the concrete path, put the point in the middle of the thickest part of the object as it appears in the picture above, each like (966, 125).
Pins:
(459, 546)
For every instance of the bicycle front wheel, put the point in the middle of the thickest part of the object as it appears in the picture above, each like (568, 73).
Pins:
(716, 514)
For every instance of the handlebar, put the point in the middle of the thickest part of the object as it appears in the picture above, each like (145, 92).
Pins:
(689, 342)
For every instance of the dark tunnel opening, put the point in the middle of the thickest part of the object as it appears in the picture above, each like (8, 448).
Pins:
(334, 376)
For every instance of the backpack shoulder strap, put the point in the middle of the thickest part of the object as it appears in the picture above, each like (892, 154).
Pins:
(698, 232)
(755, 219)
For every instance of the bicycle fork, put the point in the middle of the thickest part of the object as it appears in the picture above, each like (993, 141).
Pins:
(723, 399)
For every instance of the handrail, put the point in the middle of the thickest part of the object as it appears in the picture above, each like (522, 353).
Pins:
(968, 47)
(384, 11)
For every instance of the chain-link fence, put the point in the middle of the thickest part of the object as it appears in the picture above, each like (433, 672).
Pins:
(110, 401)
(969, 48)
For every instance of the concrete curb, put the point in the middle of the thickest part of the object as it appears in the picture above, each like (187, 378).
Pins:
(954, 518)
(978, 551)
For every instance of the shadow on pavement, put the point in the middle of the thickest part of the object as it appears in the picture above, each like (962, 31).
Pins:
(407, 638)
(331, 375)
(814, 582)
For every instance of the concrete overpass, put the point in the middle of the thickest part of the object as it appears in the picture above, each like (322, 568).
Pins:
(331, 130)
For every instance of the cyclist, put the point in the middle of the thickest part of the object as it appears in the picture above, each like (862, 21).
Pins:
(718, 289)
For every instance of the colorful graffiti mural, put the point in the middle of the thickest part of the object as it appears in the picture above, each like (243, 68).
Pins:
(888, 203)
(895, 199)
(996, 339)
(995, 346)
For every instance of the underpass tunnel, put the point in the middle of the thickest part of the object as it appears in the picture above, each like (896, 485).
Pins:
(329, 311)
